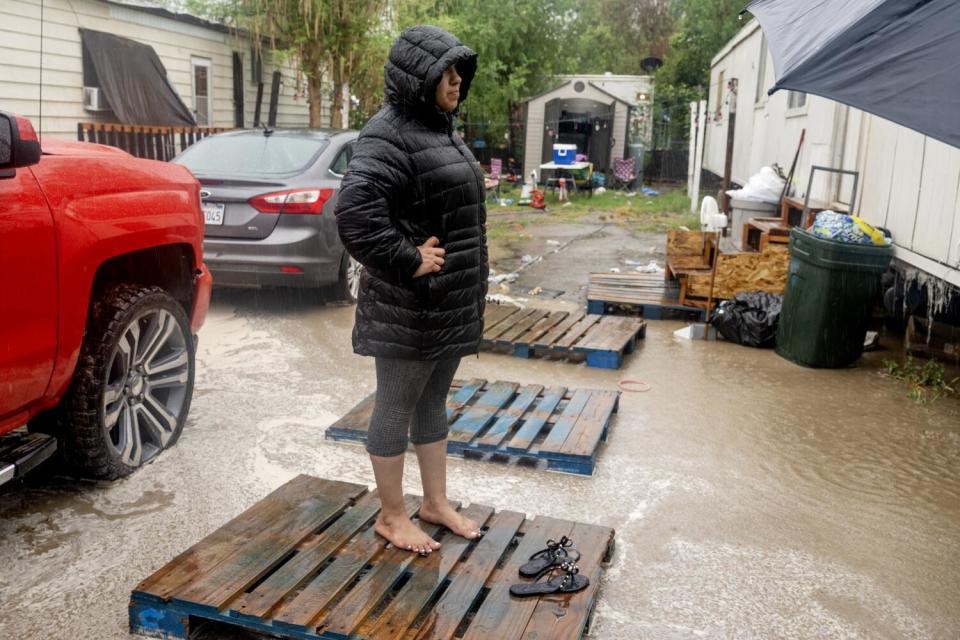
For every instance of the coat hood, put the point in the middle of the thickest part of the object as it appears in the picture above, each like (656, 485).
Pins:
(416, 64)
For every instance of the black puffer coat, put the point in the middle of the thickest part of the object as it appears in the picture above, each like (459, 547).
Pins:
(411, 177)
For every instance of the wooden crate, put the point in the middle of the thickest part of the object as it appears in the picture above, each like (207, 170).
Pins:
(759, 232)
(305, 563)
(645, 293)
(688, 252)
(603, 342)
(555, 428)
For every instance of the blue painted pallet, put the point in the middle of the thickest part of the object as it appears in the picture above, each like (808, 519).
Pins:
(306, 562)
(524, 333)
(554, 428)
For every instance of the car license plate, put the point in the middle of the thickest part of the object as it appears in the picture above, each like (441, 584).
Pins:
(213, 212)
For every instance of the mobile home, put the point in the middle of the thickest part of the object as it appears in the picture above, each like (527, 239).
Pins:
(49, 75)
(908, 183)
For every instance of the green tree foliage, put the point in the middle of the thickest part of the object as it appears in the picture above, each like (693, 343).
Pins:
(703, 28)
(520, 47)
(522, 44)
(329, 39)
(616, 35)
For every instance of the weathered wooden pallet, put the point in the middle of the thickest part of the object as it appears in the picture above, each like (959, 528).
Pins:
(602, 341)
(555, 428)
(644, 293)
(306, 563)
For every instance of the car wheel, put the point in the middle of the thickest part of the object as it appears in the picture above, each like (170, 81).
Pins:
(133, 385)
(348, 284)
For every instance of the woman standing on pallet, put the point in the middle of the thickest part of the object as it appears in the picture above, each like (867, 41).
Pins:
(411, 211)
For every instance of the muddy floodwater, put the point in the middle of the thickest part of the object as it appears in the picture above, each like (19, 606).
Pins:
(751, 498)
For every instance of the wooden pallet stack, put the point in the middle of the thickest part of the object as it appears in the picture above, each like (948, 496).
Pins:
(306, 563)
(647, 293)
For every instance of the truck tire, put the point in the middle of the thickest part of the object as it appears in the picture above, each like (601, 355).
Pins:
(348, 284)
(133, 384)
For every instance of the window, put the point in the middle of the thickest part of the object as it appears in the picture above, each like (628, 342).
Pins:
(721, 88)
(762, 71)
(339, 166)
(202, 94)
(796, 100)
(90, 78)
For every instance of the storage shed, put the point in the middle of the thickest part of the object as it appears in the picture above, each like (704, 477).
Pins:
(591, 111)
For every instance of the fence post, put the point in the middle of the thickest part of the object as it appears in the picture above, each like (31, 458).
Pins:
(693, 148)
(698, 155)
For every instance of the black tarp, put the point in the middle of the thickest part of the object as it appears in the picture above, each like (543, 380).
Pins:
(134, 80)
(898, 59)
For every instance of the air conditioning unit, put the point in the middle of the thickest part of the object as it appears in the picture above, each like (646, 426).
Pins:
(94, 100)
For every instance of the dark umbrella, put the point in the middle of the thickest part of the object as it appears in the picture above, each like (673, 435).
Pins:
(898, 59)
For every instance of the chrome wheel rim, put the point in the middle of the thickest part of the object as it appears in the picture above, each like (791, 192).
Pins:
(353, 277)
(146, 387)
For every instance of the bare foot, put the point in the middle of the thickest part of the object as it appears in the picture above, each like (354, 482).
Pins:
(404, 534)
(445, 515)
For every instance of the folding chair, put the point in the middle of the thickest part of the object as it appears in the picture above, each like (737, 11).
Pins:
(492, 181)
(624, 172)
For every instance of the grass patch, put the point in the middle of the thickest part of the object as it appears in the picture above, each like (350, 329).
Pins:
(507, 229)
(926, 382)
(638, 212)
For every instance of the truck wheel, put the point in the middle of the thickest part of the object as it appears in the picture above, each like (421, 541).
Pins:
(132, 388)
(348, 285)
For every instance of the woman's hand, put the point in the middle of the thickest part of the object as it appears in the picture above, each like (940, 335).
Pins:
(432, 256)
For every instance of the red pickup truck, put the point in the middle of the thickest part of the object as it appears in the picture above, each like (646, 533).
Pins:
(102, 291)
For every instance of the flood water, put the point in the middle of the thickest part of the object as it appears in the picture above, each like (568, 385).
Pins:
(751, 498)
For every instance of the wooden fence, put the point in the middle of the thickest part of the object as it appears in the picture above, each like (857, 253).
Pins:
(144, 141)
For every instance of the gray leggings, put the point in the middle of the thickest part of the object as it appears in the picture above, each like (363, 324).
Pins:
(411, 394)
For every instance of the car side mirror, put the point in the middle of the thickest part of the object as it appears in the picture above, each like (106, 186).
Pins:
(19, 145)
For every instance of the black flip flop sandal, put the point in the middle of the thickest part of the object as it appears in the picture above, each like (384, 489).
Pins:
(569, 582)
(554, 555)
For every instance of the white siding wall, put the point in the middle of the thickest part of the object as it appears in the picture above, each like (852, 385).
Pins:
(909, 183)
(766, 130)
(175, 42)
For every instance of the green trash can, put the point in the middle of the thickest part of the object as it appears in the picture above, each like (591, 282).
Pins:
(831, 290)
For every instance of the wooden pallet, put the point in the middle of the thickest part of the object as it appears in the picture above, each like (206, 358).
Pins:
(602, 341)
(305, 563)
(646, 293)
(555, 428)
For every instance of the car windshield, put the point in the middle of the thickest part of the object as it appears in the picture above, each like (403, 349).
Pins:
(252, 155)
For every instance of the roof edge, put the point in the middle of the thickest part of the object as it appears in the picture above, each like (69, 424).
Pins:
(186, 18)
(547, 91)
(744, 33)
(607, 93)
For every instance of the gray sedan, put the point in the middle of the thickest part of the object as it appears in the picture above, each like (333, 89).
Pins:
(268, 198)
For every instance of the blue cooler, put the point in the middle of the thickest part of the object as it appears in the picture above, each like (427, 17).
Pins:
(564, 153)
